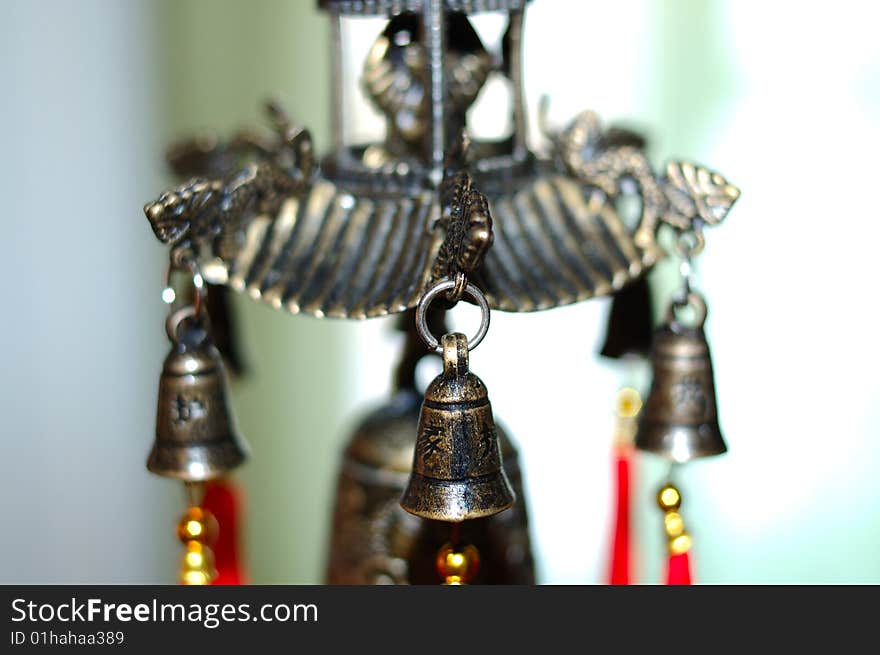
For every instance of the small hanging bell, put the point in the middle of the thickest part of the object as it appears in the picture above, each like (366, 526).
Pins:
(680, 417)
(196, 437)
(457, 473)
(373, 540)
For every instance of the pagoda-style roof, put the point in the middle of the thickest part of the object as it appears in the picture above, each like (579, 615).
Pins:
(333, 253)
(313, 240)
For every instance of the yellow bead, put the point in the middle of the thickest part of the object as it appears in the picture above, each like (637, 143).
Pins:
(199, 525)
(680, 544)
(198, 565)
(194, 578)
(669, 498)
(629, 403)
(197, 556)
(673, 523)
(457, 566)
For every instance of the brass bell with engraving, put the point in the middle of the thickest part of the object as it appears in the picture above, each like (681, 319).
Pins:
(680, 417)
(373, 540)
(196, 436)
(457, 473)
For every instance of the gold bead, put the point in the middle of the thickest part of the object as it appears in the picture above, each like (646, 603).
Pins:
(194, 578)
(680, 544)
(457, 566)
(197, 556)
(629, 403)
(199, 525)
(198, 565)
(669, 498)
(674, 524)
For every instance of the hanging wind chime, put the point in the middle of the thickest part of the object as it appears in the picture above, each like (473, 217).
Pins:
(429, 487)
(680, 419)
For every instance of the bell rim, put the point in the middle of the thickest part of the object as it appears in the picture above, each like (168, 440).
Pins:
(449, 494)
(161, 459)
(661, 443)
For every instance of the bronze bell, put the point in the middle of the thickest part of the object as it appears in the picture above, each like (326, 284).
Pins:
(457, 473)
(196, 437)
(373, 541)
(680, 417)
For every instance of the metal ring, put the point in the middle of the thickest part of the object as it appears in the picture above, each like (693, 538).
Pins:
(693, 299)
(198, 282)
(433, 292)
(174, 320)
(690, 243)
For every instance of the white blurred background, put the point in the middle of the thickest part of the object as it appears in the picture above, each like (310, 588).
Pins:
(781, 97)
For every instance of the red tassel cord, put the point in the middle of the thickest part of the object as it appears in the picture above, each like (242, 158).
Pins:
(679, 569)
(619, 573)
(627, 406)
(222, 499)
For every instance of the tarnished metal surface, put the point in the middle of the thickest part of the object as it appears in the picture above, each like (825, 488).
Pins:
(368, 230)
(558, 238)
(680, 417)
(196, 435)
(395, 80)
(457, 472)
(374, 541)
(558, 242)
(335, 254)
(685, 194)
(555, 243)
(467, 223)
(211, 213)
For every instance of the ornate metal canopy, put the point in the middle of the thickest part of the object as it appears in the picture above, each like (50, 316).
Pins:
(378, 228)
(366, 229)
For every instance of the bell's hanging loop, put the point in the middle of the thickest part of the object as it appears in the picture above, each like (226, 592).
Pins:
(690, 299)
(680, 417)
(196, 294)
(451, 286)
